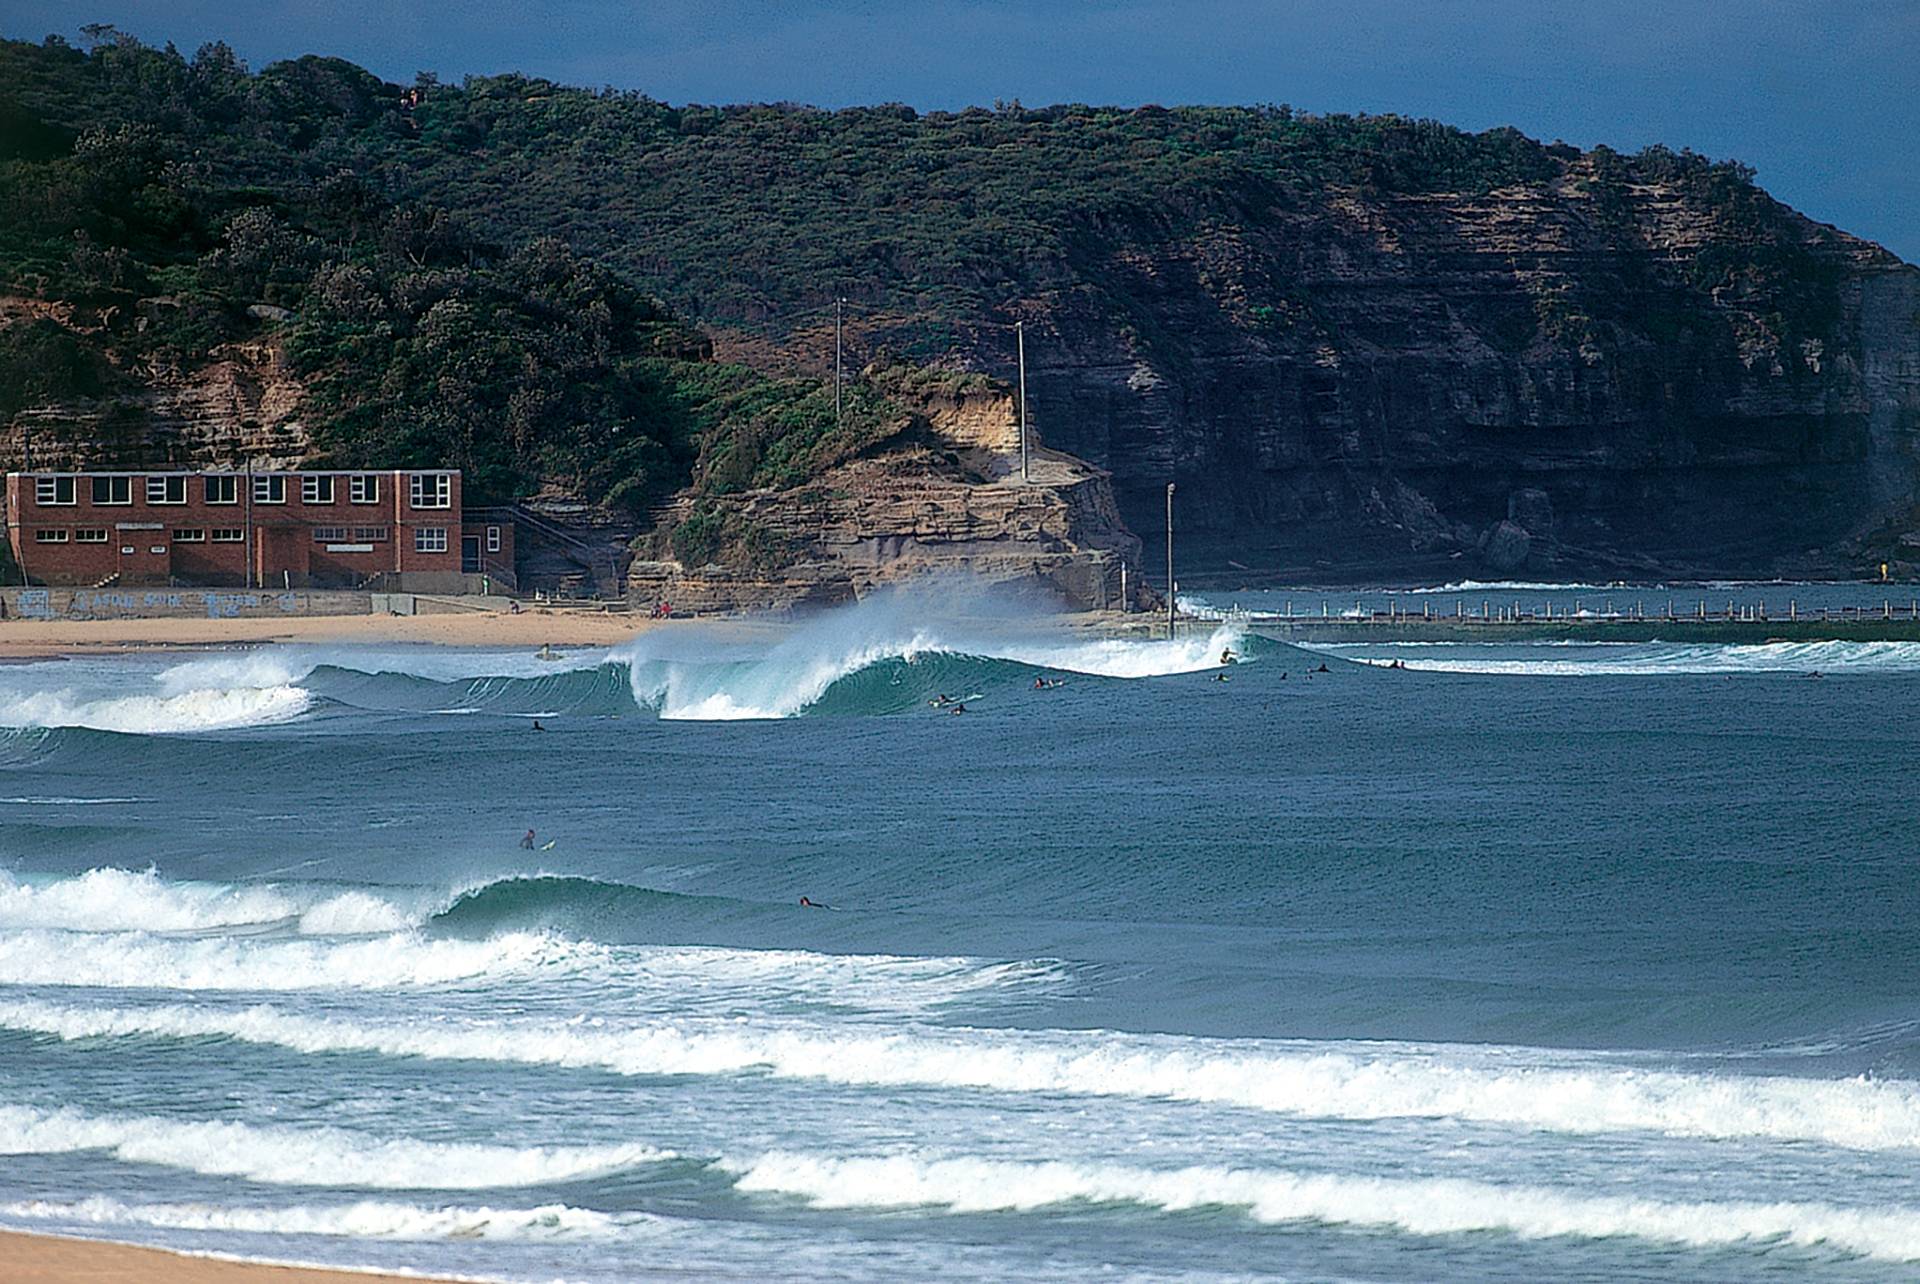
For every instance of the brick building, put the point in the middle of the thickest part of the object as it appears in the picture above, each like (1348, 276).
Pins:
(397, 530)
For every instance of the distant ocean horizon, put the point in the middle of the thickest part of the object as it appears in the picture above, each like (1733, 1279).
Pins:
(1521, 961)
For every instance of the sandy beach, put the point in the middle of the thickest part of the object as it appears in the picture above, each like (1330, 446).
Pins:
(46, 1259)
(31, 639)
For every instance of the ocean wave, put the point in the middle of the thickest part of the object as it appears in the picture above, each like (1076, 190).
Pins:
(363, 1219)
(800, 672)
(1639, 659)
(1517, 1087)
(109, 899)
(213, 709)
(309, 1156)
(140, 961)
(1417, 1206)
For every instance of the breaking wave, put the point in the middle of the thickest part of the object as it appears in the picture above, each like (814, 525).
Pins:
(1519, 1087)
(364, 1219)
(309, 1156)
(140, 961)
(188, 711)
(1574, 659)
(1419, 1206)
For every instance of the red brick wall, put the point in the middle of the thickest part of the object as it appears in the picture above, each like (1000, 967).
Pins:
(372, 537)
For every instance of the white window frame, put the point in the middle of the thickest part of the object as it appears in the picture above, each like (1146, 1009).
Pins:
(267, 485)
(160, 488)
(371, 534)
(363, 488)
(46, 491)
(50, 535)
(190, 535)
(310, 489)
(112, 484)
(90, 535)
(493, 539)
(430, 490)
(229, 487)
(429, 539)
(229, 535)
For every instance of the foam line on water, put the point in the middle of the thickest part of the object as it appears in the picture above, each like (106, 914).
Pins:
(1638, 659)
(309, 1156)
(136, 960)
(185, 712)
(1418, 1206)
(363, 1219)
(1516, 1087)
(671, 672)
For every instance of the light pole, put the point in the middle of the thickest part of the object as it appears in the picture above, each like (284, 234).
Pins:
(1169, 561)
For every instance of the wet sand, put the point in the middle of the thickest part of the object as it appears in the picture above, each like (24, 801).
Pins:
(31, 639)
(45, 1259)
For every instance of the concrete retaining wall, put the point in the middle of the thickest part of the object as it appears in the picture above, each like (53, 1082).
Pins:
(169, 603)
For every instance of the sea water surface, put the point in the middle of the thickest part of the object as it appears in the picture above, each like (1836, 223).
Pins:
(1523, 962)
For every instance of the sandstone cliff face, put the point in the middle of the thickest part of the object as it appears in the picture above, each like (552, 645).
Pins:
(241, 403)
(944, 495)
(1532, 380)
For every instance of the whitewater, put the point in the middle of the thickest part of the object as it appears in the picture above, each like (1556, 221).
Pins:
(1522, 962)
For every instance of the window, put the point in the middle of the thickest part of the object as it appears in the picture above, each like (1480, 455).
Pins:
(94, 535)
(493, 539)
(166, 490)
(432, 490)
(53, 490)
(224, 489)
(330, 535)
(370, 534)
(228, 535)
(190, 537)
(364, 488)
(316, 490)
(49, 537)
(269, 488)
(430, 539)
(113, 490)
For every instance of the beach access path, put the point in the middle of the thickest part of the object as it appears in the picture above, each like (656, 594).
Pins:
(47, 1259)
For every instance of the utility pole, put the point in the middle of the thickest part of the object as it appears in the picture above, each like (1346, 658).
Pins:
(1020, 339)
(1169, 561)
(838, 305)
(247, 580)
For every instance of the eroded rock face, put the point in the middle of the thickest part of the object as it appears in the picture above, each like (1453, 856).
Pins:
(946, 496)
(1371, 389)
(243, 402)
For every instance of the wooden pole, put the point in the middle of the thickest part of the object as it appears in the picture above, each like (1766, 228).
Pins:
(1020, 340)
(1169, 559)
(838, 307)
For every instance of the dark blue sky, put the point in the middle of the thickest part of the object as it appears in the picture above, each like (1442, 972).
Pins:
(1822, 98)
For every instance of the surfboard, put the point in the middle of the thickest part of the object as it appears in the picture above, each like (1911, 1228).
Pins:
(548, 845)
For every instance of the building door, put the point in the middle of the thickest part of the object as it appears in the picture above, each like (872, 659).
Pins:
(470, 554)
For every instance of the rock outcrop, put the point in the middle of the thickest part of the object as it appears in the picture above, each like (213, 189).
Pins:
(241, 403)
(944, 494)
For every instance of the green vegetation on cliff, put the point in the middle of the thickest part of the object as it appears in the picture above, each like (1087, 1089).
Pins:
(470, 270)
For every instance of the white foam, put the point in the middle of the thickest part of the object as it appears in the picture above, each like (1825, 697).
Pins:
(352, 914)
(106, 899)
(188, 711)
(1516, 1087)
(135, 960)
(1662, 658)
(309, 1156)
(366, 1219)
(1419, 1206)
(687, 675)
